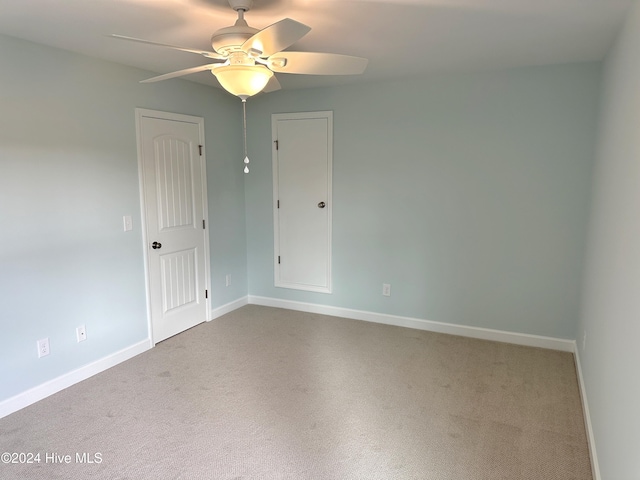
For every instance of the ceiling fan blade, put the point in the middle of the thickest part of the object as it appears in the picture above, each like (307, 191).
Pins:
(204, 53)
(180, 73)
(313, 63)
(272, 86)
(276, 37)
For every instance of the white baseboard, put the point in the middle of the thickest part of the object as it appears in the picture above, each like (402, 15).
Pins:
(595, 468)
(35, 394)
(228, 307)
(39, 392)
(420, 324)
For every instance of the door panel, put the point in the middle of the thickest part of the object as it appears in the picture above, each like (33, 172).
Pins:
(174, 196)
(302, 187)
(175, 182)
(179, 279)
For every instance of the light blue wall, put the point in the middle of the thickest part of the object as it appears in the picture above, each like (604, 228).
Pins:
(68, 173)
(468, 193)
(611, 298)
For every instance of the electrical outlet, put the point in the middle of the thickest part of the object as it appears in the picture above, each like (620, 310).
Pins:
(386, 289)
(43, 347)
(81, 333)
(227, 280)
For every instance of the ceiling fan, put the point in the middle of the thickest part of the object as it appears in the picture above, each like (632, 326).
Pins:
(247, 58)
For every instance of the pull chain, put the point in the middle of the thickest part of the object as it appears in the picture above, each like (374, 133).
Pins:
(244, 131)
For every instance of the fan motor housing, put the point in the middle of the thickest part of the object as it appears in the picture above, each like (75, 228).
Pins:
(230, 39)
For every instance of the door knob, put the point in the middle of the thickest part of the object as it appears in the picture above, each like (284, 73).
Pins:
(321, 205)
(156, 245)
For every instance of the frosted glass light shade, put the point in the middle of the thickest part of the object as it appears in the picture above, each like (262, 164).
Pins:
(243, 80)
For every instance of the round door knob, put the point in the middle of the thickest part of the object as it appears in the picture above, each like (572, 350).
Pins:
(321, 205)
(156, 245)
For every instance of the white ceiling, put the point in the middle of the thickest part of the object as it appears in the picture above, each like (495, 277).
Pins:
(399, 37)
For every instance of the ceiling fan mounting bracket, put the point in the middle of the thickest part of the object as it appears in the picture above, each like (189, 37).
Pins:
(244, 5)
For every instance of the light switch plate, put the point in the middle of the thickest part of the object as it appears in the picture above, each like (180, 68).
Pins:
(128, 223)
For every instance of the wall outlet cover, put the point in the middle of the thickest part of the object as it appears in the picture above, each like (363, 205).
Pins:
(43, 347)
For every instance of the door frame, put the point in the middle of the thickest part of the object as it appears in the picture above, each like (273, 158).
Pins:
(141, 113)
(275, 117)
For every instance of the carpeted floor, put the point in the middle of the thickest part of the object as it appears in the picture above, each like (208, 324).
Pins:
(265, 393)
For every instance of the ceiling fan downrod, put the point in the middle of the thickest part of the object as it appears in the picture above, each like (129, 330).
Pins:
(240, 20)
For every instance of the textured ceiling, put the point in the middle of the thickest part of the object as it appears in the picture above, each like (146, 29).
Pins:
(400, 38)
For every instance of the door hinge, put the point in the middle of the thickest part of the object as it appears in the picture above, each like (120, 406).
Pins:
(276, 142)
(200, 149)
(278, 203)
(206, 294)
(203, 225)
(278, 259)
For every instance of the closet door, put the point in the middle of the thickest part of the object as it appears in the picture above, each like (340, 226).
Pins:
(302, 156)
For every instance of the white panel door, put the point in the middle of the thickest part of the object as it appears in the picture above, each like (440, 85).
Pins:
(172, 169)
(302, 193)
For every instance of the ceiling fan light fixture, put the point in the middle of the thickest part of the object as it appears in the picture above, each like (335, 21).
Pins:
(243, 80)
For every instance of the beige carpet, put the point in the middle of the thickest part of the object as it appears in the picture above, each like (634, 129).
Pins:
(264, 393)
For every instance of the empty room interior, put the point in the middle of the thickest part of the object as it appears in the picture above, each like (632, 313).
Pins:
(464, 307)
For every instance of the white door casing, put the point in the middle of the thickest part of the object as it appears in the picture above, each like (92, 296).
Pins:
(174, 199)
(302, 182)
